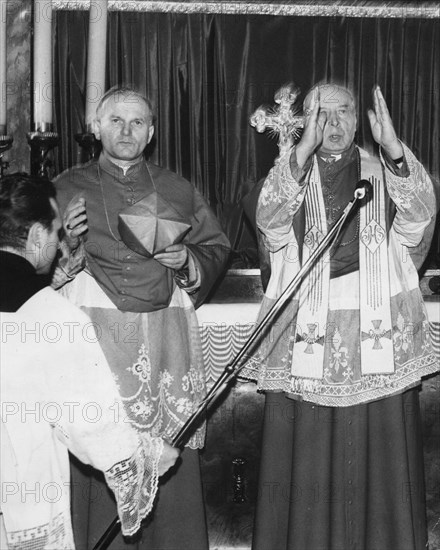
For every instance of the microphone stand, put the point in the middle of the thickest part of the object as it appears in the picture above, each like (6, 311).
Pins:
(234, 367)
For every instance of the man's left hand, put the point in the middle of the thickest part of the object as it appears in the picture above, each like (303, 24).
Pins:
(174, 256)
(382, 126)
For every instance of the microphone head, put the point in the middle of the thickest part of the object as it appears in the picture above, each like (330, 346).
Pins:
(363, 188)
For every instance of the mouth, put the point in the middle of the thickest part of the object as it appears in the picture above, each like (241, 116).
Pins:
(335, 138)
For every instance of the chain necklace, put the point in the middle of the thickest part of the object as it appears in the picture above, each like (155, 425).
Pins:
(119, 240)
(105, 205)
(356, 233)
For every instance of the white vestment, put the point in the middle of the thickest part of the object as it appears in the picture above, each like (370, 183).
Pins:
(57, 394)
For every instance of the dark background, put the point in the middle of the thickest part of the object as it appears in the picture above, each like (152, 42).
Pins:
(206, 74)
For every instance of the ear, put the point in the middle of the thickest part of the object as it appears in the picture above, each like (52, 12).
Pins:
(34, 244)
(96, 128)
(150, 133)
(35, 236)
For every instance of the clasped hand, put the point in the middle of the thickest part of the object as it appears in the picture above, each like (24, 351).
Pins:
(174, 256)
(75, 225)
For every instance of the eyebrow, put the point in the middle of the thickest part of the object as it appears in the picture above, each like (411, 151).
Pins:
(142, 117)
(347, 105)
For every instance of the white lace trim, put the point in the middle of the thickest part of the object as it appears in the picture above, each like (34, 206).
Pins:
(55, 535)
(135, 481)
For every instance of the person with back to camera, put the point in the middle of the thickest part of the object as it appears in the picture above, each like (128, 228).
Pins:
(57, 391)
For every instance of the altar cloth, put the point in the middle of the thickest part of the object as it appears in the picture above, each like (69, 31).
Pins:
(225, 328)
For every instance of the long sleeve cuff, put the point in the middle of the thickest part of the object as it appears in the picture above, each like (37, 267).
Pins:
(188, 278)
(298, 173)
(135, 482)
(70, 263)
(398, 167)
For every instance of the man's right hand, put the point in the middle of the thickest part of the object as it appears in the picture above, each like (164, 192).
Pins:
(75, 221)
(312, 135)
(168, 458)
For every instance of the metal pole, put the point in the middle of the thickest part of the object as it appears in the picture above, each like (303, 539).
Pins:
(234, 367)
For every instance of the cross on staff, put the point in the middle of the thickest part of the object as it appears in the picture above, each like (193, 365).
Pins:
(282, 119)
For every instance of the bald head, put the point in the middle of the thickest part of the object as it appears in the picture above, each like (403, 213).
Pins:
(330, 94)
(127, 96)
(338, 105)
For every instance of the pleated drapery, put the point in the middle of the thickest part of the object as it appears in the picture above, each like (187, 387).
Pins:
(206, 74)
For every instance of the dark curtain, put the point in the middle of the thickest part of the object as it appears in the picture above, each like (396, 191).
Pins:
(206, 74)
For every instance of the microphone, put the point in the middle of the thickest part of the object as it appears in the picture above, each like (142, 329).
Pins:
(363, 188)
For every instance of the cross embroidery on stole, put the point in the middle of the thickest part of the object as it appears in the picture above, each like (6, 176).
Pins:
(310, 338)
(376, 334)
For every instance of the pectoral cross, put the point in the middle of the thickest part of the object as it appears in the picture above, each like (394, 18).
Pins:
(282, 119)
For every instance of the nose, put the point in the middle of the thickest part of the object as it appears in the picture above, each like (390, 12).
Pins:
(333, 118)
(126, 129)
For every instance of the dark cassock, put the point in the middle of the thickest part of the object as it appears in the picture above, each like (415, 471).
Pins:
(144, 315)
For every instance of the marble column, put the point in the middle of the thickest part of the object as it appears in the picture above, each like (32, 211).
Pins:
(18, 77)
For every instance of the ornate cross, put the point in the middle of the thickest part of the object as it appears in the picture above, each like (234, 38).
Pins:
(310, 338)
(282, 119)
(376, 333)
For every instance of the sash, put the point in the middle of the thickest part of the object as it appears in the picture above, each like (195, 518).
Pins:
(309, 352)
(377, 355)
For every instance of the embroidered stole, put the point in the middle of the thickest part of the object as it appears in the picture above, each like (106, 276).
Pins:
(309, 351)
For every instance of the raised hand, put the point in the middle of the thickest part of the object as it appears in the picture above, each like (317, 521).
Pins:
(382, 126)
(312, 135)
(75, 221)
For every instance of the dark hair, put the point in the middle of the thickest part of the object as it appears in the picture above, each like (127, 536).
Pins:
(24, 200)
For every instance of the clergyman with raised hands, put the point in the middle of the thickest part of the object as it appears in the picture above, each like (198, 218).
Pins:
(342, 457)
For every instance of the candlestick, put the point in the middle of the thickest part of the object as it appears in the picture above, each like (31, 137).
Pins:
(41, 143)
(5, 145)
(42, 65)
(3, 68)
(96, 53)
(89, 144)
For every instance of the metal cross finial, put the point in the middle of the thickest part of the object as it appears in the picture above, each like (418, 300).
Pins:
(283, 119)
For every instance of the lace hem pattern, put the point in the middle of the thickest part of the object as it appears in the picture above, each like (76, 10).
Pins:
(56, 535)
(135, 481)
